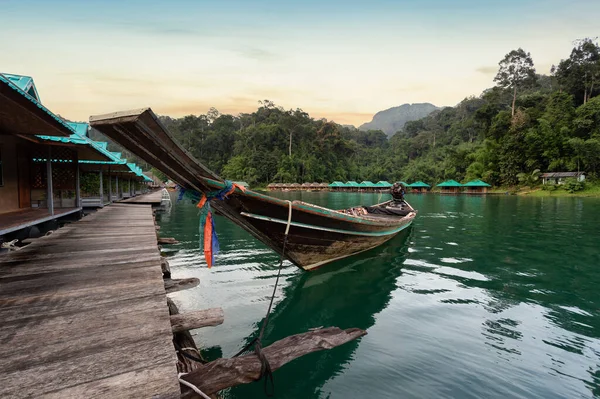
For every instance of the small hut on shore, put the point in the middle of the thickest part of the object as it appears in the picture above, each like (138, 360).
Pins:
(323, 186)
(306, 186)
(419, 187)
(476, 187)
(271, 186)
(450, 187)
(295, 186)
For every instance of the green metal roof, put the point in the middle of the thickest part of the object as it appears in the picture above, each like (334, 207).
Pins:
(476, 183)
(352, 184)
(383, 183)
(337, 184)
(450, 183)
(419, 184)
(24, 85)
(367, 183)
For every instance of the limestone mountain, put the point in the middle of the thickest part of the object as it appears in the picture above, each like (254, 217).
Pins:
(393, 119)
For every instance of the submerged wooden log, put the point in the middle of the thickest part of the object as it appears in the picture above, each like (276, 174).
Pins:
(167, 240)
(224, 373)
(197, 319)
(174, 285)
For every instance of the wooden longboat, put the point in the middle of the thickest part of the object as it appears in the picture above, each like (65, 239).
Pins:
(316, 236)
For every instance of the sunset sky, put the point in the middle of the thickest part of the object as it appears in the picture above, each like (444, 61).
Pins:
(342, 60)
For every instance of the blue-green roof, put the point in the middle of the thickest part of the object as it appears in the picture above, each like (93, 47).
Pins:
(337, 184)
(351, 184)
(24, 85)
(383, 183)
(477, 183)
(419, 184)
(450, 183)
(367, 183)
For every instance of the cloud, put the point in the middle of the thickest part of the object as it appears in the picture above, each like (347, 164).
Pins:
(487, 70)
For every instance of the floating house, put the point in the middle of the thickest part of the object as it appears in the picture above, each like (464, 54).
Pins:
(419, 187)
(41, 159)
(450, 187)
(306, 186)
(39, 153)
(352, 186)
(295, 186)
(366, 186)
(476, 187)
(337, 186)
(559, 177)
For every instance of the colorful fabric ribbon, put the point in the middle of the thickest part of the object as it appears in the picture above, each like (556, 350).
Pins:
(208, 234)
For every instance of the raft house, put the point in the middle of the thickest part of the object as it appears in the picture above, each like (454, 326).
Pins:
(42, 160)
(419, 187)
(450, 187)
(476, 187)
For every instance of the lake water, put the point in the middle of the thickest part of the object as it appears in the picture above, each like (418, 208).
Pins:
(490, 297)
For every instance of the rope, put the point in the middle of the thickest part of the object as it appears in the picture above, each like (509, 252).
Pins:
(192, 386)
(194, 358)
(265, 371)
(11, 245)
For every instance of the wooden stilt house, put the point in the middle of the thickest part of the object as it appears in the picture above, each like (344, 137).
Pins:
(450, 187)
(39, 159)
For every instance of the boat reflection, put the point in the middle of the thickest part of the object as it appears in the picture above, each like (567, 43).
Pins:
(346, 294)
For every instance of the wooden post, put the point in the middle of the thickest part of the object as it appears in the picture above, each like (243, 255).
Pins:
(77, 183)
(118, 193)
(101, 189)
(109, 187)
(49, 191)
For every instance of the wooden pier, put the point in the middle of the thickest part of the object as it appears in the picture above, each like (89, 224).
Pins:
(153, 198)
(84, 312)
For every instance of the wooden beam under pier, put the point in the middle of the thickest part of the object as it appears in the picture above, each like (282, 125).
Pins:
(197, 319)
(174, 285)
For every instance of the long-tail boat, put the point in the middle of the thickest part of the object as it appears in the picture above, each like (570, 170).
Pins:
(316, 235)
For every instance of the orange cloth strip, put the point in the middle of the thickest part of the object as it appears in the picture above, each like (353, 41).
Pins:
(208, 240)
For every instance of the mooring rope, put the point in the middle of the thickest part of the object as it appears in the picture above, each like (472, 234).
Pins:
(180, 350)
(265, 371)
(192, 386)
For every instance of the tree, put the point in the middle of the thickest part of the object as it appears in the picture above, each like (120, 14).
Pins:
(516, 71)
(580, 73)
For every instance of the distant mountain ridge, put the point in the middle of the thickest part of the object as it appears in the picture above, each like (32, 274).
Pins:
(393, 119)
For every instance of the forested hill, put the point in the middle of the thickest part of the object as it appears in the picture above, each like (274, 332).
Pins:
(528, 121)
(393, 119)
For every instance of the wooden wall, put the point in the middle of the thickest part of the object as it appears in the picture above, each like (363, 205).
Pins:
(9, 192)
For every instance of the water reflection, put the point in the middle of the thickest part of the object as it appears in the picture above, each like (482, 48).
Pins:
(487, 297)
(342, 295)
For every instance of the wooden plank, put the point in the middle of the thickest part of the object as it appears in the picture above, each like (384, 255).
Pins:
(84, 312)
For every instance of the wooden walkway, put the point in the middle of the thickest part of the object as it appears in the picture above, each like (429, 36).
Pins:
(153, 198)
(83, 312)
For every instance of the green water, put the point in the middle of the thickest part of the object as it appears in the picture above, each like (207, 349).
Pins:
(483, 297)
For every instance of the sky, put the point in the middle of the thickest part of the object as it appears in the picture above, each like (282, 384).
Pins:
(340, 60)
